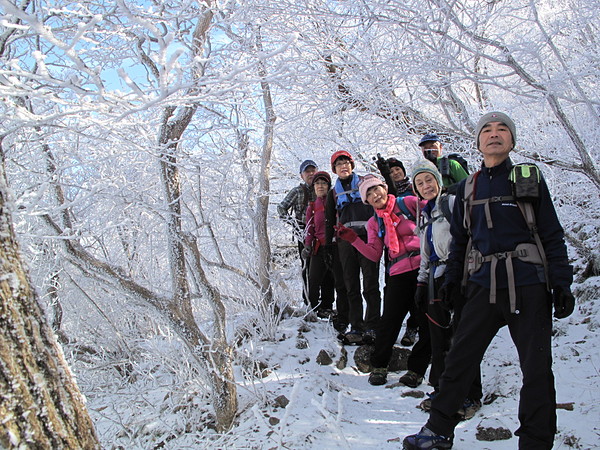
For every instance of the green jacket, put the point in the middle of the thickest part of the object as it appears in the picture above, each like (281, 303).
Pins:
(455, 172)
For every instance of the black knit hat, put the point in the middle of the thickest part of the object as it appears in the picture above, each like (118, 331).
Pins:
(394, 162)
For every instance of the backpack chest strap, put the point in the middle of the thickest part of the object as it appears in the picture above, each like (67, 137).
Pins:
(486, 206)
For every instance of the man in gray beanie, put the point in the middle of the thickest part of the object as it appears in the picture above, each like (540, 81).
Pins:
(496, 117)
(508, 257)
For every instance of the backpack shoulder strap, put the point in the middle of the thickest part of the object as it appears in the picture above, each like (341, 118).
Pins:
(443, 166)
(445, 207)
(468, 206)
(468, 199)
(404, 209)
(529, 216)
(380, 226)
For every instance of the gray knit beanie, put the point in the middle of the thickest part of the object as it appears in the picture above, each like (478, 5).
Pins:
(496, 116)
(424, 165)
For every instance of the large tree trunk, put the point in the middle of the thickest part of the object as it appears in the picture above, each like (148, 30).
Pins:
(40, 403)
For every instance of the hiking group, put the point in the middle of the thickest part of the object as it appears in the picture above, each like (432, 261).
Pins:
(463, 254)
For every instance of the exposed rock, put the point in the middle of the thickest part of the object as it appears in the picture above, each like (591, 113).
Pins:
(490, 398)
(362, 358)
(254, 368)
(303, 328)
(301, 343)
(281, 402)
(298, 312)
(311, 317)
(567, 406)
(323, 358)
(413, 394)
(273, 421)
(343, 361)
(288, 312)
(399, 359)
(492, 434)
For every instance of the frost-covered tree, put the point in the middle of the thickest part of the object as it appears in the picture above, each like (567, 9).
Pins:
(41, 404)
(142, 146)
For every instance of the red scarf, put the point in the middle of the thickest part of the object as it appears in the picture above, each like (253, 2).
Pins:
(390, 221)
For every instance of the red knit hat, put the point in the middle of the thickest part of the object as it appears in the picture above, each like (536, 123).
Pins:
(339, 154)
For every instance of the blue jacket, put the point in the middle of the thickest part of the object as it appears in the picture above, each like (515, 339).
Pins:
(352, 210)
(509, 229)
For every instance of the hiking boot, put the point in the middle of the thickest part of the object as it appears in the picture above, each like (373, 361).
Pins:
(369, 337)
(340, 327)
(425, 405)
(378, 376)
(426, 439)
(411, 379)
(353, 337)
(409, 338)
(469, 409)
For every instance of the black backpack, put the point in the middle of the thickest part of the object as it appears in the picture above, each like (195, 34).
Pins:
(444, 167)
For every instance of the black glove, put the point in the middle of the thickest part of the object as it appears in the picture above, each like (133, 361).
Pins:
(382, 165)
(564, 302)
(422, 297)
(306, 252)
(447, 294)
(326, 252)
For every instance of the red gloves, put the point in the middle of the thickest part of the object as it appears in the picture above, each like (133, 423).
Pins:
(346, 234)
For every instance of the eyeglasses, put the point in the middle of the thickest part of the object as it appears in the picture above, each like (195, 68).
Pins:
(344, 162)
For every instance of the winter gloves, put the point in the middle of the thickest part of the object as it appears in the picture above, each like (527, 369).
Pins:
(449, 295)
(306, 252)
(345, 233)
(382, 165)
(421, 296)
(327, 255)
(564, 302)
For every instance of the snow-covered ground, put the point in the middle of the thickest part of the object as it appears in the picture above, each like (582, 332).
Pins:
(331, 408)
(162, 404)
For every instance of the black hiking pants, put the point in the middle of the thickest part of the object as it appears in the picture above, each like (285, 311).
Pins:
(398, 299)
(530, 331)
(353, 264)
(441, 331)
(341, 297)
(320, 282)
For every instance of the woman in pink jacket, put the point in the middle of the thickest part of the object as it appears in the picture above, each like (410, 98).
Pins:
(390, 228)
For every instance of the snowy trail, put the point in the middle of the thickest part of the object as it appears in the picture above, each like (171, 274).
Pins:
(339, 409)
